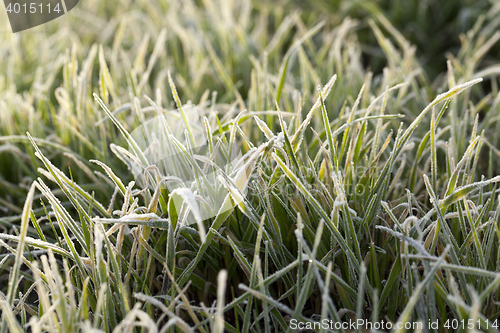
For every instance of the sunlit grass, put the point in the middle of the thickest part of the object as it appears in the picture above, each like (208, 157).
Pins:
(351, 194)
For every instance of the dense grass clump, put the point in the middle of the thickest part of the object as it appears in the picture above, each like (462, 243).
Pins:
(320, 189)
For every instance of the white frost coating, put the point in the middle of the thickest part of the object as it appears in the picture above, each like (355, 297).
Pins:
(149, 217)
(455, 90)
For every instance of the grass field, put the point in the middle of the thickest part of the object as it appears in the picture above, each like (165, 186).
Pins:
(245, 166)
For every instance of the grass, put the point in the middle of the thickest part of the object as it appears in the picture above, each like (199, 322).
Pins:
(323, 190)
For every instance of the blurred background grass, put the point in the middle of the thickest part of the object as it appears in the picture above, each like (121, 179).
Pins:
(433, 26)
